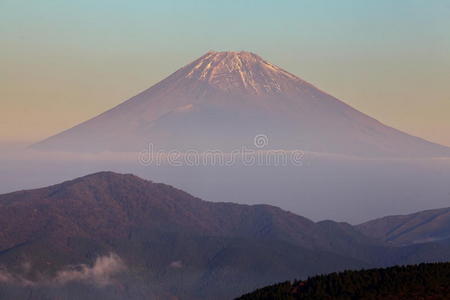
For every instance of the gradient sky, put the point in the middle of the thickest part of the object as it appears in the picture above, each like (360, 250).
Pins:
(63, 62)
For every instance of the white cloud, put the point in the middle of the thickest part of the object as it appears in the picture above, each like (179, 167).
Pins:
(101, 273)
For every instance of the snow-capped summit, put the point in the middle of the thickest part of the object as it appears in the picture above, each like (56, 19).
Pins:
(240, 72)
(222, 100)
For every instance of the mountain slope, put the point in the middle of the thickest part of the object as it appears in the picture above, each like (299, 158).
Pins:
(170, 243)
(113, 236)
(420, 227)
(222, 100)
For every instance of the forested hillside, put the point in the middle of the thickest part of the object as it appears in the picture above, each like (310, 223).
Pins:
(424, 281)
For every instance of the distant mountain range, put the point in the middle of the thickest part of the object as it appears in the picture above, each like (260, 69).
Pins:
(222, 100)
(425, 226)
(113, 236)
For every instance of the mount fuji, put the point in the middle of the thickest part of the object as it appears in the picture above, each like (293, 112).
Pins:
(223, 100)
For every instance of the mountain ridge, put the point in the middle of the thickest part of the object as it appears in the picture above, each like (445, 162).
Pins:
(158, 240)
(419, 227)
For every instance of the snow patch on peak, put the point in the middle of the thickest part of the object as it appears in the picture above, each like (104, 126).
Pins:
(241, 72)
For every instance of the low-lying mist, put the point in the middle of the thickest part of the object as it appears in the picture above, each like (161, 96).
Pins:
(101, 273)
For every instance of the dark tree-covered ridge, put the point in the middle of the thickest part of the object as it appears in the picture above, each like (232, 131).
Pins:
(423, 281)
